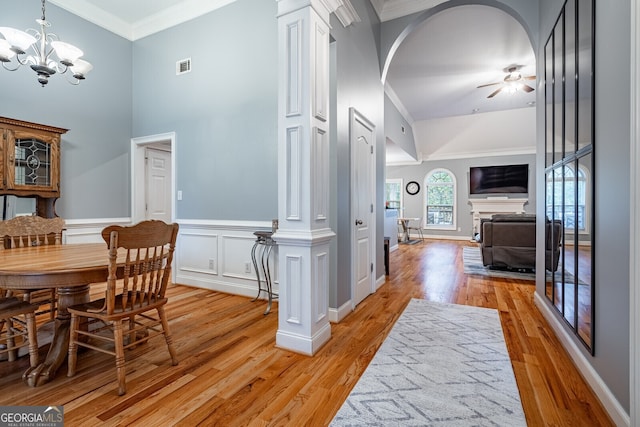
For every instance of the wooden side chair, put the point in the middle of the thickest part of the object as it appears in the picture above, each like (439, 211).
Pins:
(17, 328)
(146, 252)
(24, 231)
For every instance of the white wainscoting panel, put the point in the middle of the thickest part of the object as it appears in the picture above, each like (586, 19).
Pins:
(209, 254)
(198, 252)
(225, 245)
(236, 252)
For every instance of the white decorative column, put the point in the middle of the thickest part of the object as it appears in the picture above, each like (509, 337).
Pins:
(303, 235)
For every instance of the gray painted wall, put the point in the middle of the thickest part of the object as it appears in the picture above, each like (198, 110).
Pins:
(612, 186)
(95, 152)
(394, 123)
(224, 112)
(358, 86)
(612, 169)
(414, 205)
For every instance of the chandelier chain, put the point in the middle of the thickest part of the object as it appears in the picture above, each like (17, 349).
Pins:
(43, 17)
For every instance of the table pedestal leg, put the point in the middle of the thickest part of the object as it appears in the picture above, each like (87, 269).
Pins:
(46, 370)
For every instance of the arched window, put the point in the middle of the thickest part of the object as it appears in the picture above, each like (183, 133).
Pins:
(440, 200)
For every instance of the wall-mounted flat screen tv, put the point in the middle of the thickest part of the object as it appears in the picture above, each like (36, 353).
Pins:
(499, 179)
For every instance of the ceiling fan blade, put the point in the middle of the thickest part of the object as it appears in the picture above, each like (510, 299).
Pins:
(489, 84)
(529, 77)
(494, 93)
(527, 88)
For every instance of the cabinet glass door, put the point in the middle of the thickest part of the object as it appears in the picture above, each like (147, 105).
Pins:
(32, 163)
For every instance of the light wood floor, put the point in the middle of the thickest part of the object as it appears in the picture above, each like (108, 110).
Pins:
(230, 372)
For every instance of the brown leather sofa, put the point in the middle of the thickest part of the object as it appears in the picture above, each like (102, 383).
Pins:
(509, 241)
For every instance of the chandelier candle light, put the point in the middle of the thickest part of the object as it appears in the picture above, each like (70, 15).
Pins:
(16, 44)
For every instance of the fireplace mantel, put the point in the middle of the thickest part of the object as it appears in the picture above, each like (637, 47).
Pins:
(485, 208)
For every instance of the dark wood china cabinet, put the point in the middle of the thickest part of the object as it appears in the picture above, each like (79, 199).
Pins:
(30, 162)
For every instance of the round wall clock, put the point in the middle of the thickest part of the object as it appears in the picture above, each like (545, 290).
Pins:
(413, 187)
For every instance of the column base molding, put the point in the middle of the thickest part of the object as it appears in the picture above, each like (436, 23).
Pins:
(303, 344)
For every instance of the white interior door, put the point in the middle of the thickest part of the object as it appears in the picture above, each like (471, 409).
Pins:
(363, 217)
(158, 184)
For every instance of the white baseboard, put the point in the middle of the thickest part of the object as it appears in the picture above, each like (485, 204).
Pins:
(337, 314)
(445, 237)
(608, 400)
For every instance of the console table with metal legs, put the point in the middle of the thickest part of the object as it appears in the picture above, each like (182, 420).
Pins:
(260, 254)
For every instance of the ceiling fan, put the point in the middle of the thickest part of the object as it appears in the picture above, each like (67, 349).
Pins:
(513, 81)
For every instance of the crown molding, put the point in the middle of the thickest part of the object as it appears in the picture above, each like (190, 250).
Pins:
(175, 15)
(97, 16)
(344, 10)
(169, 17)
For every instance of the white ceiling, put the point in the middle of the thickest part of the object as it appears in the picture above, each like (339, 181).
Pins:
(436, 70)
(433, 74)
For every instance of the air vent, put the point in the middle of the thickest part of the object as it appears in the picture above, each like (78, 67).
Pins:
(183, 66)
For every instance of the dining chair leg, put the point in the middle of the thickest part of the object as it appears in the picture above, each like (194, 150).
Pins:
(118, 334)
(167, 335)
(73, 346)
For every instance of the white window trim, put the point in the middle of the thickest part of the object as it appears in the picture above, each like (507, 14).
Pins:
(453, 226)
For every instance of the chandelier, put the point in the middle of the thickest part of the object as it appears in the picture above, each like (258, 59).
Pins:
(16, 43)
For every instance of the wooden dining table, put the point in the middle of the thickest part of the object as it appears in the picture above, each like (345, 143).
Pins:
(70, 268)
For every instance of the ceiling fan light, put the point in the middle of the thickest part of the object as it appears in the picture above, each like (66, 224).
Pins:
(19, 40)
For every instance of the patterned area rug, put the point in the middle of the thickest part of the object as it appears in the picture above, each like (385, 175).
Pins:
(441, 365)
(472, 261)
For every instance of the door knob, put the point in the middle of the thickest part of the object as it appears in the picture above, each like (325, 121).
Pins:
(358, 222)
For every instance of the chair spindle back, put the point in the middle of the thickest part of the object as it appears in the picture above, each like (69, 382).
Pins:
(146, 273)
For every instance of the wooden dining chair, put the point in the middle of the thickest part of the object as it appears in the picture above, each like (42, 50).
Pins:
(31, 230)
(144, 270)
(18, 328)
